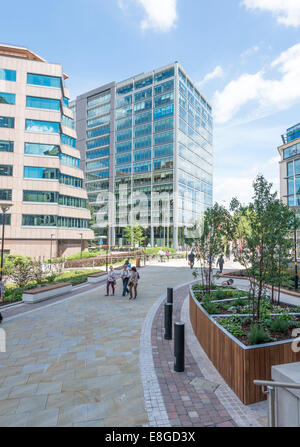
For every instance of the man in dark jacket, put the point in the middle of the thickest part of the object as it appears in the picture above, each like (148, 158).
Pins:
(191, 258)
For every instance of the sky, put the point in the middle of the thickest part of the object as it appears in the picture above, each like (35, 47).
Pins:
(244, 55)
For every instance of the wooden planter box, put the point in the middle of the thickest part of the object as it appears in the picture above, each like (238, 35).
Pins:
(238, 364)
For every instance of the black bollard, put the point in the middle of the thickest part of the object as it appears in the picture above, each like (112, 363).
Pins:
(168, 321)
(179, 347)
(170, 295)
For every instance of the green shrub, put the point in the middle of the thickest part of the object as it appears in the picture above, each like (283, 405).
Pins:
(233, 325)
(279, 325)
(258, 335)
(210, 307)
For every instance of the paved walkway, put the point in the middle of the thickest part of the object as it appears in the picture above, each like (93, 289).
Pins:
(91, 360)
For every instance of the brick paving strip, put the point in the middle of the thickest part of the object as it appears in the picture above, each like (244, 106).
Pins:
(197, 397)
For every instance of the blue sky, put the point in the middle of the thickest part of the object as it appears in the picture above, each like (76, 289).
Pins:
(243, 54)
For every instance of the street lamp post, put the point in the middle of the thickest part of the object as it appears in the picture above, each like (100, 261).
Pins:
(81, 234)
(4, 208)
(295, 249)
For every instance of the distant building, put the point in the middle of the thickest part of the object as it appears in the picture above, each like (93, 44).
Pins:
(146, 150)
(290, 167)
(39, 162)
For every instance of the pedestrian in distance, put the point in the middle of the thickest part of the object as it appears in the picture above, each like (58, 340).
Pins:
(167, 254)
(111, 280)
(125, 275)
(161, 254)
(191, 258)
(220, 263)
(2, 291)
(133, 282)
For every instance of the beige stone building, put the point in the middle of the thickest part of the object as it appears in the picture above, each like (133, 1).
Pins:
(39, 162)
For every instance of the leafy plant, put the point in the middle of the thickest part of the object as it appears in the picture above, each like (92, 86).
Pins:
(210, 307)
(279, 325)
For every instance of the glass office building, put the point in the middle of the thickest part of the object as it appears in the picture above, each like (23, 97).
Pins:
(146, 149)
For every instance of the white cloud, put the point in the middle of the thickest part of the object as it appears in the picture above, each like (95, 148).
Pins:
(286, 11)
(269, 95)
(160, 15)
(216, 73)
(250, 51)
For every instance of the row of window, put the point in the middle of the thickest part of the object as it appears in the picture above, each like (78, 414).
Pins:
(144, 94)
(38, 220)
(53, 197)
(291, 151)
(33, 172)
(193, 89)
(145, 154)
(140, 143)
(145, 129)
(162, 163)
(158, 77)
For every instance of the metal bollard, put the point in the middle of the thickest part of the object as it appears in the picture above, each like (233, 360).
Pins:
(168, 321)
(179, 347)
(170, 295)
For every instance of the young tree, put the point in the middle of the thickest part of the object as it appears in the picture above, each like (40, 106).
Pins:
(134, 235)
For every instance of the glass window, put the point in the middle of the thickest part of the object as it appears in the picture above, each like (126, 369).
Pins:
(165, 87)
(163, 112)
(46, 81)
(42, 149)
(297, 166)
(297, 185)
(162, 125)
(126, 89)
(5, 194)
(41, 126)
(98, 132)
(143, 95)
(98, 99)
(123, 170)
(42, 103)
(39, 220)
(124, 101)
(6, 146)
(124, 135)
(123, 158)
(291, 189)
(70, 181)
(97, 154)
(163, 99)
(6, 170)
(164, 75)
(99, 142)
(143, 105)
(72, 201)
(40, 196)
(68, 141)
(68, 122)
(141, 131)
(142, 167)
(143, 82)
(163, 163)
(8, 75)
(97, 111)
(145, 154)
(7, 122)
(69, 160)
(66, 102)
(162, 151)
(162, 138)
(182, 76)
(163, 177)
(122, 113)
(41, 173)
(7, 219)
(98, 121)
(99, 164)
(124, 147)
(142, 142)
(97, 175)
(96, 186)
(124, 123)
(290, 151)
(182, 88)
(7, 98)
(142, 118)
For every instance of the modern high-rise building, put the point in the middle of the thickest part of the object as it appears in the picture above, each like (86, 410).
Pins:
(39, 162)
(146, 149)
(290, 167)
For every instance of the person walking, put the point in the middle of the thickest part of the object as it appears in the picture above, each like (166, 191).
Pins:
(191, 258)
(220, 263)
(2, 291)
(111, 280)
(125, 275)
(167, 254)
(133, 282)
(161, 254)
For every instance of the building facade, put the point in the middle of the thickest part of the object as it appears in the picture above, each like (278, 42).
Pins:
(146, 149)
(290, 167)
(39, 164)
